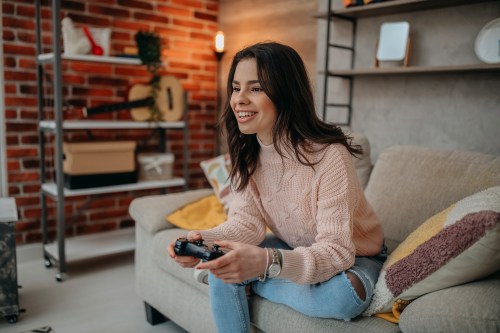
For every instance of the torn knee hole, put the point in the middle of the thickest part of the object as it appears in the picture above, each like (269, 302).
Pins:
(357, 285)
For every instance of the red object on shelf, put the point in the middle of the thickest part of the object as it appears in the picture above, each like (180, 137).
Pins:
(96, 49)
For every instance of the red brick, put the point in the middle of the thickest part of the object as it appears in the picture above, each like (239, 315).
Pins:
(112, 12)
(130, 25)
(21, 152)
(187, 24)
(169, 10)
(7, 8)
(20, 101)
(27, 63)
(26, 37)
(19, 76)
(136, 4)
(31, 189)
(213, 6)
(9, 62)
(18, 23)
(84, 67)
(23, 177)
(151, 18)
(73, 5)
(18, 49)
(90, 20)
(8, 35)
(10, 89)
(205, 16)
(25, 11)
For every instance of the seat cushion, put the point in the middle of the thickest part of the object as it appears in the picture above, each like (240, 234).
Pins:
(469, 308)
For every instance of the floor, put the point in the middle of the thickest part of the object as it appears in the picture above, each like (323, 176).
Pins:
(97, 296)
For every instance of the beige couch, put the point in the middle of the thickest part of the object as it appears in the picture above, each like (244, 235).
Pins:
(407, 186)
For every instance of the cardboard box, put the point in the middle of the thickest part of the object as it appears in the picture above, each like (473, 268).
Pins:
(95, 164)
(155, 166)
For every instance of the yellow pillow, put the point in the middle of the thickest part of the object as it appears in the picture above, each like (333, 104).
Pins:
(202, 214)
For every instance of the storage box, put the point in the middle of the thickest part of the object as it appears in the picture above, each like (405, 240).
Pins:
(155, 166)
(94, 164)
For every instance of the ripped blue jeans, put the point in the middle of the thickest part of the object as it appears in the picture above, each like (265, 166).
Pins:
(334, 298)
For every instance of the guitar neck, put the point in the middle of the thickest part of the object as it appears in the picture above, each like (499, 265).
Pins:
(148, 101)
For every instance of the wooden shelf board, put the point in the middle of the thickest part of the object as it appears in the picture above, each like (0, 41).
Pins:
(95, 245)
(112, 124)
(49, 57)
(51, 188)
(481, 68)
(394, 7)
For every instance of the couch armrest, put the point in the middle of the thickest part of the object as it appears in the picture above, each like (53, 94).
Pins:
(150, 211)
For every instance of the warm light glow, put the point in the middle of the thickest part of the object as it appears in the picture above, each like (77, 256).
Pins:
(219, 42)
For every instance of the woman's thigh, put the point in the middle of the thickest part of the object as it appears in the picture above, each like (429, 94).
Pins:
(334, 298)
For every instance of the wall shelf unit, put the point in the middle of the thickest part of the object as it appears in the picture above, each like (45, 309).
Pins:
(352, 14)
(79, 247)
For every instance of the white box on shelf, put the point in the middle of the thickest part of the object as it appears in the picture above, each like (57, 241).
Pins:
(155, 166)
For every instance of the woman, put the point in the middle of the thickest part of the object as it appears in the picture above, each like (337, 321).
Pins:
(293, 174)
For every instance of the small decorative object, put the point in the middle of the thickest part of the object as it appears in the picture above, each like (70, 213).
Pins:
(350, 3)
(149, 51)
(76, 40)
(487, 44)
(394, 43)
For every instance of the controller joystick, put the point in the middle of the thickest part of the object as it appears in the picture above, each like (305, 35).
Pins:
(196, 248)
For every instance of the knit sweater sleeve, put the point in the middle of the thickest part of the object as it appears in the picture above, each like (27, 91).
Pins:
(334, 251)
(244, 223)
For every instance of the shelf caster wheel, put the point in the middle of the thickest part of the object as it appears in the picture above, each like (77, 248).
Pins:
(11, 319)
(47, 263)
(60, 277)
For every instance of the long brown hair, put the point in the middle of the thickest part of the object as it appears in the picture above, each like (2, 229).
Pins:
(283, 77)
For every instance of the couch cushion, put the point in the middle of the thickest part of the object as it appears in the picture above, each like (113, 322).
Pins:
(217, 172)
(279, 318)
(458, 245)
(203, 214)
(167, 264)
(410, 184)
(475, 308)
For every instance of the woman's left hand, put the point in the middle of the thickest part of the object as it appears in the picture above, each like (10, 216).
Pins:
(242, 263)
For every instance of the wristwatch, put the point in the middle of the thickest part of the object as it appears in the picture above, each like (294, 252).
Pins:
(275, 269)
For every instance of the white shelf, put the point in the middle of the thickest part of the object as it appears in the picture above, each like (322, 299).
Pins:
(49, 57)
(51, 188)
(95, 245)
(112, 124)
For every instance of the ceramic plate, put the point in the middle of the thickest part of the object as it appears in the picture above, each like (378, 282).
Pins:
(488, 43)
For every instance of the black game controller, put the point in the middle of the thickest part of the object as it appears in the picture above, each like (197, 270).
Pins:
(184, 247)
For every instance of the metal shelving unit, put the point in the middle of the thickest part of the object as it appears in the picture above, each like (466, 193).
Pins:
(81, 247)
(352, 14)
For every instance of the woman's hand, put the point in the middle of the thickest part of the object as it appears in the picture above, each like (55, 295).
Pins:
(242, 263)
(185, 261)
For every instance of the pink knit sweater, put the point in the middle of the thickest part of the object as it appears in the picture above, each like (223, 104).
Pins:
(321, 213)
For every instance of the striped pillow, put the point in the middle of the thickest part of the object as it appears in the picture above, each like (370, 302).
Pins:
(455, 246)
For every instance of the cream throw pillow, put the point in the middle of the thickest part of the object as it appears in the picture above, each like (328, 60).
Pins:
(455, 246)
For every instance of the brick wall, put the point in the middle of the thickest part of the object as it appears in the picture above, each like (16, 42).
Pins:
(186, 27)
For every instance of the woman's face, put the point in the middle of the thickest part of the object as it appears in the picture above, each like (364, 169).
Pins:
(253, 109)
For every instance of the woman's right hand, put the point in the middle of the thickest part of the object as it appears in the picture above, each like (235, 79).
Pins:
(185, 261)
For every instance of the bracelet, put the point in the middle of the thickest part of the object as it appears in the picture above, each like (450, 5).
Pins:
(262, 277)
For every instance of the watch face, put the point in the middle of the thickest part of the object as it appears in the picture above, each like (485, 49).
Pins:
(274, 270)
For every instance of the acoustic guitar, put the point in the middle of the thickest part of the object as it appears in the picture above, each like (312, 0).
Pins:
(170, 101)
